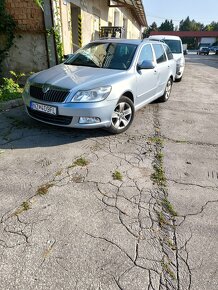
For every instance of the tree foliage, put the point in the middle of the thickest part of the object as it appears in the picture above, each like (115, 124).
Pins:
(7, 29)
(152, 27)
(184, 25)
(166, 26)
(190, 25)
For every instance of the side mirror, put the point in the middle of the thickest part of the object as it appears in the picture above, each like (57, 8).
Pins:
(146, 64)
(67, 56)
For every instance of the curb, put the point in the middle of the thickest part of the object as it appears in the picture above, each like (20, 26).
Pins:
(11, 104)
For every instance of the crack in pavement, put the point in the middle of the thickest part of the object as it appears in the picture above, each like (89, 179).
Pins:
(134, 202)
(189, 142)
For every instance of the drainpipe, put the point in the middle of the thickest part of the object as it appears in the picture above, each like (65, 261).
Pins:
(50, 39)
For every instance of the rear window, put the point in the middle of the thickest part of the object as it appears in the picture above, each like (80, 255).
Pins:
(174, 45)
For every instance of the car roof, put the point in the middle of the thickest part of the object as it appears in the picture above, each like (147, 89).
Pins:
(127, 41)
(159, 37)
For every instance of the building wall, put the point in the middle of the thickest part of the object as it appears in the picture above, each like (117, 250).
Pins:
(28, 53)
(207, 40)
(33, 49)
(133, 29)
(94, 14)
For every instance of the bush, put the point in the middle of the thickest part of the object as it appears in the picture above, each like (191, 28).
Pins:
(10, 89)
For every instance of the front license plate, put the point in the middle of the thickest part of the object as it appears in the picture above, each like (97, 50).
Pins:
(43, 108)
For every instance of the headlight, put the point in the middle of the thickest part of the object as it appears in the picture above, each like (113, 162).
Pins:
(179, 62)
(94, 95)
(27, 87)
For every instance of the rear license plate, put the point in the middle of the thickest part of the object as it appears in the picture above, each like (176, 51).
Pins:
(43, 108)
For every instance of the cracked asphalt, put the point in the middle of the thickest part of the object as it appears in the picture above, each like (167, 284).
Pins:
(66, 222)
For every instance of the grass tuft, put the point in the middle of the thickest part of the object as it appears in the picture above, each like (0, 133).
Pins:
(24, 207)
(43, 189)
(166, 267)
(168, 207)
(117, 175)
(79, 162)
(161, 219)
(159, 175)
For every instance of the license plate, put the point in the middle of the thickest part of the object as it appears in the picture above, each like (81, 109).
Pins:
(43, 108)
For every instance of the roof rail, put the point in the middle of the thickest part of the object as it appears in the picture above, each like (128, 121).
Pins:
(155, 39)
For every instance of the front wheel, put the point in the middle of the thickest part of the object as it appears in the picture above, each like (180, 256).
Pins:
(122, 116)
(167, 91)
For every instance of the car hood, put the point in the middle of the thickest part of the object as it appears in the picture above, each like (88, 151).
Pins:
(69, 76)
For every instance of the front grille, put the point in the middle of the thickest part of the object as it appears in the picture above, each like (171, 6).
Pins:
(53, 95)
(54, 119)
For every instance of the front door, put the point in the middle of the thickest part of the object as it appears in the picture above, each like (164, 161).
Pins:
(146, 78)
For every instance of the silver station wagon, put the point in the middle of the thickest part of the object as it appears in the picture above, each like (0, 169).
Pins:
(102, 84)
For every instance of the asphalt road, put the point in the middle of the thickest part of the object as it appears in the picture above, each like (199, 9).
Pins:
(87, 210)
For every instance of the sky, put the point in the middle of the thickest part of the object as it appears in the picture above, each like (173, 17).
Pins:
(200, 10)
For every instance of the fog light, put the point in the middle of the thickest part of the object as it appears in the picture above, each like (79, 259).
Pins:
(89, 120)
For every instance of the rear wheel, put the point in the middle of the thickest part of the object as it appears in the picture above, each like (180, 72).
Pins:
(122, 116)
(167, 91)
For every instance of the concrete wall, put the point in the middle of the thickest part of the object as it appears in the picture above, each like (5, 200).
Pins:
(28, 54)
(29, 50)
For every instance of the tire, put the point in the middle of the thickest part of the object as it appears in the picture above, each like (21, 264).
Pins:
(122, 116)
(178, 80)
(167, 91)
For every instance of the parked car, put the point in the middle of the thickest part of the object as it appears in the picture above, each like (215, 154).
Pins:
(102, 84)
(203, 50)
(176, 46)
(214, 49)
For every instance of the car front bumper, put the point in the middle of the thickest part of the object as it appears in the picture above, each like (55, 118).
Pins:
(68, 114)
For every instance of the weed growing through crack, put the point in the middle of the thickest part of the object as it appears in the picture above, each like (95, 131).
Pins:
(166, 267)
(168, 207)
(117, 175)
(24, 207)
(58, 173)
(171, 244)
(157, 140)
(79, 162)
(161, 219)
(159, 175)
(43, 189)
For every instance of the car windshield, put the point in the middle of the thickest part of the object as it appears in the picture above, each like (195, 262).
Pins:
(174, 45)
(104, 55)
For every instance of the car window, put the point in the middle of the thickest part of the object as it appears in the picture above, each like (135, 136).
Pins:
(159, 53)
(146, 54)
(104, 55)
(168, 52)
(174, 45)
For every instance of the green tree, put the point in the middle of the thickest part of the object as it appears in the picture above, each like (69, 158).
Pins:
(152, 27)
(166, 26)
(213, 26)
(190, 25)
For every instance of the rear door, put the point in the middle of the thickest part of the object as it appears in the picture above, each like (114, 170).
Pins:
(163, 67)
